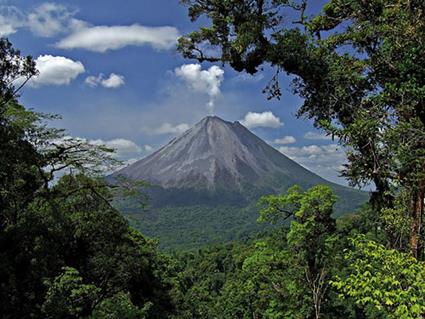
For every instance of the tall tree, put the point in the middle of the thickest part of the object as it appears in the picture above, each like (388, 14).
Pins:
(311, 238)
(358, 65)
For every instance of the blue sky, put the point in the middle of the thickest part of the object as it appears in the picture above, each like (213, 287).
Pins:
(111, 70)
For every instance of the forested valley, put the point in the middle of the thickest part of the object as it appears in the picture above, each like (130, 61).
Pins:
(67, 252)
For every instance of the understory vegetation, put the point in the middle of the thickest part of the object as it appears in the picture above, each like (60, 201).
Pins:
(67, 252)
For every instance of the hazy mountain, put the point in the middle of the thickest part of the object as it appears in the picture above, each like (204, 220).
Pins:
(218, 163)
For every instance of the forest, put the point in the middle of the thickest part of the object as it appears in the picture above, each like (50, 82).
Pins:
(359, 66)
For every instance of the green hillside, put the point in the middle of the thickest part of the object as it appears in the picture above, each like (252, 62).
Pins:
(179, 226)
(189, 227)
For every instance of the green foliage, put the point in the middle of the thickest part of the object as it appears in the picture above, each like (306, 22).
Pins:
(396, 222)
(312, 223)
(68, 296)
(120, 306)
(277, 208)
(76, 227)
(311, 238)
(385, 282)
(274, 283)
(190, 227)
(202, 276)
(182, 227)
(283, 275)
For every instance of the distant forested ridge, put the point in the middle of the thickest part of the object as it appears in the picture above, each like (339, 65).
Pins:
(66, 252)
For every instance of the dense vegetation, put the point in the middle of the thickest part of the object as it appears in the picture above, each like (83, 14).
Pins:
(178, 224)
(65, 252)
(189, 227)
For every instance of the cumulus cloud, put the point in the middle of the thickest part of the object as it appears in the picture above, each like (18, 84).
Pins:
(265, 119)
(285, 140)
(317, 136)
(55, 70)
(104, 38)
(203, 81)
(325, 160)
(167, 128)
(112, 82)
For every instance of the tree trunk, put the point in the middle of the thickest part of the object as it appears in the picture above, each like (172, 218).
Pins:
(417, 215)
(318, 286)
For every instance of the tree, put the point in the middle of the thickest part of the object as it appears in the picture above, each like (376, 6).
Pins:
(120, 307)
(13, 68)
(17, 154)
(202, 276)
(311, 238)
(385, 282)
(358, 65)
(68, 296)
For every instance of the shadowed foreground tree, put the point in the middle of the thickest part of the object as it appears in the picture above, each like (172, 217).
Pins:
(360, 68)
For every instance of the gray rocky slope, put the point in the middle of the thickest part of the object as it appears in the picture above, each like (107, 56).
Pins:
(220, 157)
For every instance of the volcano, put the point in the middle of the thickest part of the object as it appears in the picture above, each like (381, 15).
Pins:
(217, 164)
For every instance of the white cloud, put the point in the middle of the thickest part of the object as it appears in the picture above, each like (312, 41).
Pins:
(11, 19)
(124, 149)
(265, 119)
(49, 19)
(167, 128)
(325, 160)
(93, 81)
(104, 38)
(317, 136)
(55, 70)
(112, 82)
(285, 140)
(203, 81)
(46, 20)
(148, 148)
